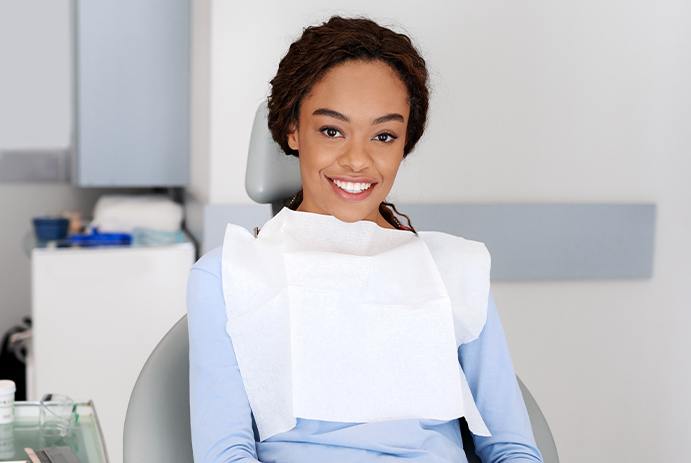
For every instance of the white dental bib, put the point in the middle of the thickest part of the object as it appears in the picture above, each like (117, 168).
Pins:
(352, 322)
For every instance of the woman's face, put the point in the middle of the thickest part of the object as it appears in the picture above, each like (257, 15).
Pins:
(351, 128)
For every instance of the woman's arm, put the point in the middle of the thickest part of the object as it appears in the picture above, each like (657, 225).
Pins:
(220, 414)
(487, 365)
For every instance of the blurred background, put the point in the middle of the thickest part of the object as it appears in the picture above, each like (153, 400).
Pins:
(563, 125)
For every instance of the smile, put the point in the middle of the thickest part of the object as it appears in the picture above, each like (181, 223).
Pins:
(352, 187)
(350, 190)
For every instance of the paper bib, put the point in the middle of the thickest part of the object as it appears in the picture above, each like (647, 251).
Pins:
(352, 322)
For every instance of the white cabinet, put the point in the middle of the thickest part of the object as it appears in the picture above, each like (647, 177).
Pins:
(97, 315)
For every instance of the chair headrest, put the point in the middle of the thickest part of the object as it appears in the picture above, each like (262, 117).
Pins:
(271, 174)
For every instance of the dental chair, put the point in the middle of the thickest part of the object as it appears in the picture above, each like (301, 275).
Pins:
(157, 423)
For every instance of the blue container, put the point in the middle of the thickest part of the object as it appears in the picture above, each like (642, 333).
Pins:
(51, 228)
(101, 239)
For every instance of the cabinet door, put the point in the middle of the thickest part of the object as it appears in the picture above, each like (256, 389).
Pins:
(98, 313)
(132, 68)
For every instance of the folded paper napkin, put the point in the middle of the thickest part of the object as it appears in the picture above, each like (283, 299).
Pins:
(351, 321)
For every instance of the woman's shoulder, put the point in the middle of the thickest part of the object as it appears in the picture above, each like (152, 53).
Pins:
(210, 262)
(205, 304)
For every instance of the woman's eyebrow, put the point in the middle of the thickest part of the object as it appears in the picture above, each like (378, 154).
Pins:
(330, 113)
(388, 117)
(343, 117)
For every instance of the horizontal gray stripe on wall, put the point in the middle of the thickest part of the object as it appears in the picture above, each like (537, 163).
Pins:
(527, 241)
(551, 241)
(34, 165)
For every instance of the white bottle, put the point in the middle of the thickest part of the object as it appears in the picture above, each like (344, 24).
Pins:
(7, 389)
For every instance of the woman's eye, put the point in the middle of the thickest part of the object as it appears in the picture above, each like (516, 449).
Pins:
(330, 132)
(385, 137)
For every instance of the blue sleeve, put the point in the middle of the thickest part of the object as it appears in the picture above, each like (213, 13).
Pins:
(487, 365)
(220, 414)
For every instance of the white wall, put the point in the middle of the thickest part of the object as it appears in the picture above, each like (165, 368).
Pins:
(35, 113)
(201, 101)
(35, 95)
(35, 75)
(532, 101)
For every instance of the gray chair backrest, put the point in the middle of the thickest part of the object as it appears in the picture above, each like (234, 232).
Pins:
(271, 174)
(543, 435)
(157, 424)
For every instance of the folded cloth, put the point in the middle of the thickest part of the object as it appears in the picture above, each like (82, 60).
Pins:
(299, 293)
(148, 237)
(123, 213)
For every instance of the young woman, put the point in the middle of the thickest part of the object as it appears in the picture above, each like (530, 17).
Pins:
(350, 101)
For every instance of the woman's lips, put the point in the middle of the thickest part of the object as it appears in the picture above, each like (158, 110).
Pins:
(351, 196)
(353, 180)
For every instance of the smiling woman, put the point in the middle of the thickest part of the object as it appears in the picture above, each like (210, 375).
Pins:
(350, 100)
(334, 334)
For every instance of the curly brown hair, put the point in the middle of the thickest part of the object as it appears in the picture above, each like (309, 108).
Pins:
(336, 41)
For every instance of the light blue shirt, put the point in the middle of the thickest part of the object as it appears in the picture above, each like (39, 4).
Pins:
(223, 428)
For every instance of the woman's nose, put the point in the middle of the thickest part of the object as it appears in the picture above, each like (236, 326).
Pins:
(356, 156)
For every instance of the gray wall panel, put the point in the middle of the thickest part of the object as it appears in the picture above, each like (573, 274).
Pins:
(132, 75)
(551, 241)
(28, 165)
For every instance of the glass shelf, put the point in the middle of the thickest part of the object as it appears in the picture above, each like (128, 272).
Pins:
(86, 439)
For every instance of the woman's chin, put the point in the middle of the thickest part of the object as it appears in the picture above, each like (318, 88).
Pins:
(354, 214)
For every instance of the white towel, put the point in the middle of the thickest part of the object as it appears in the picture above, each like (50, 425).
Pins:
(352, 322)
(124, 213)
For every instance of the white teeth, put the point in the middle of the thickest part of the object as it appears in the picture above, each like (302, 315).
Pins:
(352, 187)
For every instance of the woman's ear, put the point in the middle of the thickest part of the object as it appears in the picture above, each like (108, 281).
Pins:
(293, 139)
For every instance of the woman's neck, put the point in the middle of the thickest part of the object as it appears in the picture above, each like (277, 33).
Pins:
(379, 220)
